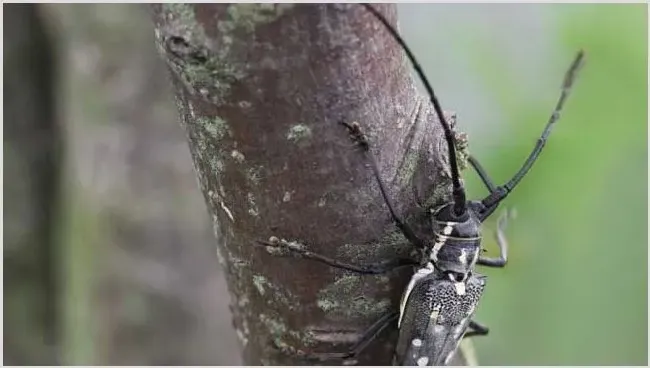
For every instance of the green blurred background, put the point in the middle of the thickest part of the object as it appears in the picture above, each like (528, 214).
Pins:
(142, 285)
(575, 289)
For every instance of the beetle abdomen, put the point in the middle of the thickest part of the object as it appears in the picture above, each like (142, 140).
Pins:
(435, 319)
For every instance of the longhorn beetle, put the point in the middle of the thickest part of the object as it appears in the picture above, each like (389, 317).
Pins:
(438, 304)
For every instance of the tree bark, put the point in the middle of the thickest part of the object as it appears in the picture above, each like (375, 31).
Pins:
(33, 144)
(261, 89)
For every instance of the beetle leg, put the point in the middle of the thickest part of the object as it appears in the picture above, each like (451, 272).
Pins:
(501, 241)
(297, 250)
(357, 135)
(477, 329)
(368, 336)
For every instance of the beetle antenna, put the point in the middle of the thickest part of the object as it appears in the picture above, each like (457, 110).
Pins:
(458, 189)
(502, 191)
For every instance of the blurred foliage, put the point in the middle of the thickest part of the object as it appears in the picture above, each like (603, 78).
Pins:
(575, 288)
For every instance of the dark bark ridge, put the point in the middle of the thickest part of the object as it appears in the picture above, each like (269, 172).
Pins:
(261, 89)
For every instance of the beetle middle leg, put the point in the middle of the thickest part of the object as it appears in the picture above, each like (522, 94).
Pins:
(501, 241)
(298, 250)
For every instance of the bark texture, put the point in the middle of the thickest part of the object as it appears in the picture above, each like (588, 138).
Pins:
(261, 89)
(32, 156)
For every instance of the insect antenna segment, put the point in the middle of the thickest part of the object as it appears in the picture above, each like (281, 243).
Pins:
(502, 191)
(459, 196)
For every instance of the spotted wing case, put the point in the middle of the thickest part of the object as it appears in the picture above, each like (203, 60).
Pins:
(434, 320)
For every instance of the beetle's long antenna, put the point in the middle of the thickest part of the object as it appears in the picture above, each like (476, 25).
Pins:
(502, 191)
(458, 189)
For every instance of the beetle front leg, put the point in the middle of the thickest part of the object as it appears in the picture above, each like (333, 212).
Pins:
(501, 241)
(282, 247)
(360, 139)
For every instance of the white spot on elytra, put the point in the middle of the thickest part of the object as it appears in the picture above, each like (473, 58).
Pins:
(423, 361)
(416, 342)
(448, 229)
(439, 329)
(460, 288)
(435, 313)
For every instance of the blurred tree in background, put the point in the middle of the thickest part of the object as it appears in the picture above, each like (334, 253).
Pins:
(133, 246)
(142, 284)
(33, 166)
(139, 225)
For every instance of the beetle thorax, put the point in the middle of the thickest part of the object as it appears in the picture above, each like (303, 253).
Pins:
(457, 244)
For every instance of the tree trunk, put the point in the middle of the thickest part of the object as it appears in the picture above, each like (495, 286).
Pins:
(33, 158)
(261, 89)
